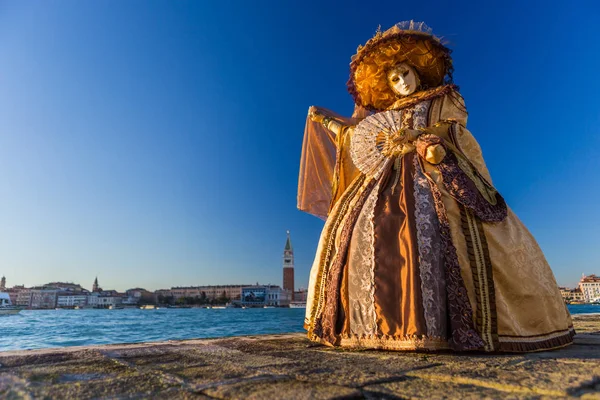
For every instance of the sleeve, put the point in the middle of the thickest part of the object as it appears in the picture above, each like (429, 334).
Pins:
(326, 167)
(467, 144)
(463, 170)
(450, 115)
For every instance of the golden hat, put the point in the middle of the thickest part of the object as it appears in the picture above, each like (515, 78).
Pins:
(409, 41)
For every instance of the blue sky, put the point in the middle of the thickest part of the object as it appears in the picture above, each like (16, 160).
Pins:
(156, 143)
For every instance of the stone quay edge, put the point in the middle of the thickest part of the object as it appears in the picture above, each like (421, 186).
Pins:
(288, 366)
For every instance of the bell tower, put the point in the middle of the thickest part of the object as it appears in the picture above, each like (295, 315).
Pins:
(288, 266)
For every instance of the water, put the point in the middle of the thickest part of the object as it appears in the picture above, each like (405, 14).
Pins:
(584, 308)
(34, 329)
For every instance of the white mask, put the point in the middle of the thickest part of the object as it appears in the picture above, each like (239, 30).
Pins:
(403, 79)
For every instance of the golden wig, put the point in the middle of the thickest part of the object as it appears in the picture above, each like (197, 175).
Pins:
(416, 46)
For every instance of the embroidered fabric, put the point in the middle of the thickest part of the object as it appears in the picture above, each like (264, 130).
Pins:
(462, 188)
(420, 115)
(431, 266)
(463, 335)
(466, 193)
(325, 326)
(483, 279)
(317, 294)
(361, 271)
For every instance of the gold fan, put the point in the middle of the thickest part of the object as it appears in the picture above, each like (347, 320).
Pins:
(376, 140)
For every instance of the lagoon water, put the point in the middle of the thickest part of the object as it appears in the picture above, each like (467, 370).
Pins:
(34, 329)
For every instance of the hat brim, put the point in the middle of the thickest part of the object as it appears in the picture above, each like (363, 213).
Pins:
(368, 69)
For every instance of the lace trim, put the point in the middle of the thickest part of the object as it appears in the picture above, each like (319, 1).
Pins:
(371, 239)
(463, 334)
(336, 217)
(325, 326)
(420, 115)
(394, 342)
(430, 256)
(361, 271)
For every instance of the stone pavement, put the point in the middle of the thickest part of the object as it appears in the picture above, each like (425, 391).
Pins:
(290, 367)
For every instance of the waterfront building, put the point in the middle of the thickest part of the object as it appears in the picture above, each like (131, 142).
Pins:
(265, 295)
(24, 298)
(13, 293)
(288, 267)
(278, 297)
(163, 292)
(93, 299)
(43, 297)
(301, 295)
(590, 287)
(109, 301)
(212, 292)
(137, 295)
(570, 295)
(109, 298)
(3, 283)
(71, 299)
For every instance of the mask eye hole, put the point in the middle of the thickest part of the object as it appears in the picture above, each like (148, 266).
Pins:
(405, 73)
(395, 79)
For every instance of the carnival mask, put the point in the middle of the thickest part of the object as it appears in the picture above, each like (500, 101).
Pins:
(403, 79)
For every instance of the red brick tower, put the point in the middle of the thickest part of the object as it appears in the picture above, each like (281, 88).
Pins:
(288, 267)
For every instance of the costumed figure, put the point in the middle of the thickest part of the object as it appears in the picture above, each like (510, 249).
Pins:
(419, 250)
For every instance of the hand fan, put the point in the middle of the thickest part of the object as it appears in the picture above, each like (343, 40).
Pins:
(376, 140)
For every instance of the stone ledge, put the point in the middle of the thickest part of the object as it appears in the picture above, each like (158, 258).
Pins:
(289, 366)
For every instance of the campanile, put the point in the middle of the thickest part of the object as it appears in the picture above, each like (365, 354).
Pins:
(288, 266)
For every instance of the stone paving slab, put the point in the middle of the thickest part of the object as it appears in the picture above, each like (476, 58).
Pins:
(290, 367)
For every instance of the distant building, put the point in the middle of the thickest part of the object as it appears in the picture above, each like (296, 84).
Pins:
(93, 299)
(288, 267)
(3, 283)
(279, 297)
(65, 286)
(13, 293)
(109, 301)
(43, 297)
(569, 295)
(138, 295)
(300, 296)
(265, 295)
(163, 292)
(232, 292)
(23, 298)
(590, 287)
(70, 299)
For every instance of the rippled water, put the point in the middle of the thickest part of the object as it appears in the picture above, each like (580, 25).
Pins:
(584, 308)
(34, 329)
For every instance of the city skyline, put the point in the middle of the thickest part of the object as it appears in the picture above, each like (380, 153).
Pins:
(159, 145)
(287, 281)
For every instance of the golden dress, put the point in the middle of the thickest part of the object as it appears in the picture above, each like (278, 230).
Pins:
(423, 256)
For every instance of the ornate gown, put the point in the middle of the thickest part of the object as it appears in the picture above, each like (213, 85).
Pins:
(423, 256)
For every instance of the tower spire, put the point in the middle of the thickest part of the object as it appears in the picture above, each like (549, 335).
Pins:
(288, 243)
